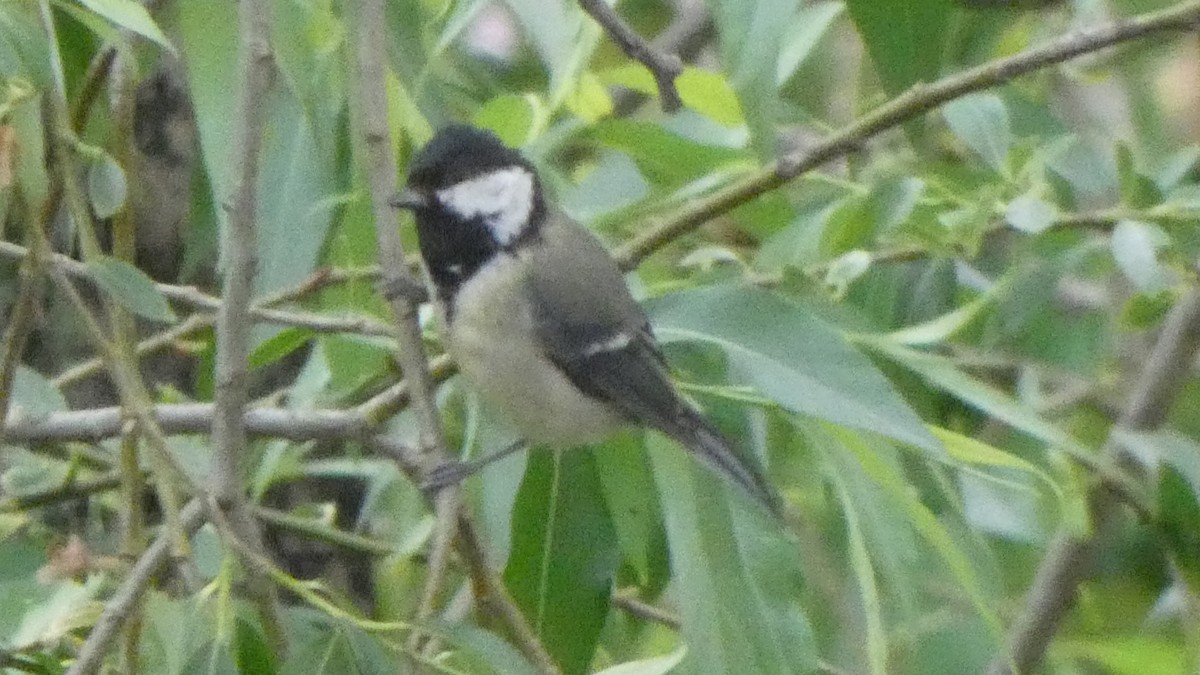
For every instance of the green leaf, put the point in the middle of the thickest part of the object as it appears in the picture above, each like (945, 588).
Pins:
(279, 345)
(905, 38)
(131, 288)
(864, 574)
(589, 99)
(485, 651)
(1137, 191)
(564, 38)
(844, 269)
(298, 173)
(564, 555)
(56, 616)
(942, 374)
(1130, 655)
(628, 487)
(709, 94)
(27, 474)
(925, 523)
(309, 41)
(25, 54)
(323, 645)
(667, 160)
(1178, 513)
(106, 186)
(35, 395)
(515, 119)
(704, 91)
(1030, 214)
(791, 357)
(981, 121)
(736, 578)
(941, 328)
(657, 665)
(751, 35)
(811, 24)
(130, 15)
(1135, 246)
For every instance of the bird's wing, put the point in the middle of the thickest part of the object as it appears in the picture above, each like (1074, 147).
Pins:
(591, 328)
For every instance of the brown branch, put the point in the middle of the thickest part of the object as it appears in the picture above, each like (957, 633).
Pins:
(645, 611)
(1070, 557)
(380, 168)
(916, 101)
(60, 493)
(20, 322)
(489, 589)
(664, 67)
(240, 250)
(97, 424)
(195, 298)
(123, 601)
(151, 344)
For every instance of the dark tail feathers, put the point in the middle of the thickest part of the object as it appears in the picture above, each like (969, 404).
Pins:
(703, 440)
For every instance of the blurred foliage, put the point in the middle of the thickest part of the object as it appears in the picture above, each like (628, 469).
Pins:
(925, 342)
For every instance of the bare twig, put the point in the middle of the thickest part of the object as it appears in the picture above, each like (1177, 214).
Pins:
(915, 102)
(239, 249)
(665, 67)
(194, 297)
(381, 175)
(20, 320)
(91, 655)
(646, 611)
(154, 343)
(60, 493)
(1070, 556)
(488, 588)
(97, 424)
(307, 527)
(124, 374)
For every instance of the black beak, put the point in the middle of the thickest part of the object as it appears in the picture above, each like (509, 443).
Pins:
(409, 199)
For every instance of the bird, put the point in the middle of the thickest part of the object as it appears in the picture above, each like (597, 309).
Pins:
(536, 312)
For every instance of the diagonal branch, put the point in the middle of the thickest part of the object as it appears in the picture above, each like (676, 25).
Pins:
(118, 607)
(664, 67)
(913, 103)
(1070, 557)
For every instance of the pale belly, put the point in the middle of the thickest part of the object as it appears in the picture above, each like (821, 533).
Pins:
(492, 341)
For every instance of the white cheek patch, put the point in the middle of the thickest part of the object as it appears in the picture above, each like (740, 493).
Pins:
(503, 198)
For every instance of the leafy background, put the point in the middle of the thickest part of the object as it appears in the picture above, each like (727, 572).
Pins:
(927, 341)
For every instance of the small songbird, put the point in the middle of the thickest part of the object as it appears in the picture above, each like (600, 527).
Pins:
(536, 312)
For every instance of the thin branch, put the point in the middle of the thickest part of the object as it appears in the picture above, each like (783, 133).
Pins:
(150, 345)
(123, 370)
(646, 611)
(195, 298)
(21, 319)
(665, 67)
(917, 101)
(312, 529)
(91, 655)
(380, 168)
(489, 589)
(1070, 557)
(97, 424)
(60, 493)
(239, 252)
(133, 396)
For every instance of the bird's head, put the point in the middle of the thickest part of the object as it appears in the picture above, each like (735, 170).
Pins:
(465, 183)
